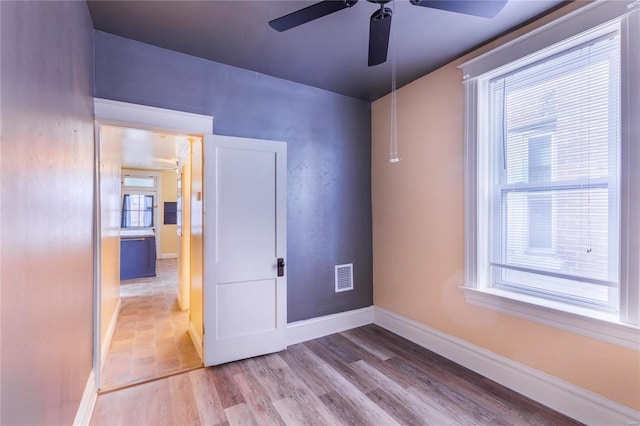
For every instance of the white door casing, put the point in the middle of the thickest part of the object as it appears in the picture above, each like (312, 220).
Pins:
(245, 234)
(137, 116)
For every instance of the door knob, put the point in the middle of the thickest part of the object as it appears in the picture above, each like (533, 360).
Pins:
(281, 267)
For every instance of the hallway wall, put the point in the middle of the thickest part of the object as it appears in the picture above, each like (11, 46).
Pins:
(110, 221)
(169, 241)
(46, 189)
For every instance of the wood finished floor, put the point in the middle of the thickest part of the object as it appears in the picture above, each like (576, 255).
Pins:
(366, 376)
(151, 337)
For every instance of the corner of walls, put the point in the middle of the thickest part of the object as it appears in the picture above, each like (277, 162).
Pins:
(419, 246)
(328, 140)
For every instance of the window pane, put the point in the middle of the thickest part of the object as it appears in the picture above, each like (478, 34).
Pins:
(137, 211)
(577, 225)
(558, 287)
(141, 182)
(554, 207)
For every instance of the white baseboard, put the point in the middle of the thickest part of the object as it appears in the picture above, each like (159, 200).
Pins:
(104, 347)
(196, 339)
(179, 299)
(169, 256)
(89, 397)
(301, 331)
(571, 400)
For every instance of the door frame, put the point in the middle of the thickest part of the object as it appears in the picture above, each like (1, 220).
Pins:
(125, 114)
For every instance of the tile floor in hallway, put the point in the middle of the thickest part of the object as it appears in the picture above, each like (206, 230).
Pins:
(151, 338)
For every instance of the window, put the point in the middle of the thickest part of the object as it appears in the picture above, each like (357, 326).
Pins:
(139, 181)
(137, 211)
(139, 189)
(552, 180)
(553, 146)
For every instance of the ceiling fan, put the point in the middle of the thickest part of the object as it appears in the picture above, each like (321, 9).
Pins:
(380, 25)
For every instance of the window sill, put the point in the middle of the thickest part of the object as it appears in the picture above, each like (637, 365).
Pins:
(583, 321)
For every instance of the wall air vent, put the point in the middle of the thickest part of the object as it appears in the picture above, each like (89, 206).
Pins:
(344, 277)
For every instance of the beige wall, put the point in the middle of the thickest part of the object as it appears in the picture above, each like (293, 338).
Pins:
(110, 217)
(418, 243)
(169, 236)
(184, 240)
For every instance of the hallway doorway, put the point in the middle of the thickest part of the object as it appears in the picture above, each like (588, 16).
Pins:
(145, 271)
(147, 322)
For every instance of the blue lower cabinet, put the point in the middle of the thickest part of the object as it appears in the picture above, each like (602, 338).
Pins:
(137, 257)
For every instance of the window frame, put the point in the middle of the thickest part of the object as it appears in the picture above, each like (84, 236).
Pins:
(154, 190)
(153, 196)
(593, 20)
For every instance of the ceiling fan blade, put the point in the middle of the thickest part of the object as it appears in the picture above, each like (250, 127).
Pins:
(482, 8)
(310, 13)
(379, 30)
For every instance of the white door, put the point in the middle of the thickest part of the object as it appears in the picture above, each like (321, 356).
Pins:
(244, 236)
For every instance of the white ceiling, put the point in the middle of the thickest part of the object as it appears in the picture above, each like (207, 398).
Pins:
(144, 149)
(329, 53)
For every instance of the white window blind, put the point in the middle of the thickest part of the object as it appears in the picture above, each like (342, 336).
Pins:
(554, 175)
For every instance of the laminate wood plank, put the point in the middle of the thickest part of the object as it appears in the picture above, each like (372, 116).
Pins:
(379, 352)
(240, 415)
(358, 401)
(206, 397)
(337, 348)
(424, 408)
(257, 400)
(306, 366)
(278, 383)
(305, 410)
(355, 351)
(106, 409)
(395, 408)
(334, 357)
(342, 409)
(153, 409)
(301, 357)
(407, 350)
(274, 361)
(184, 408)
(225, 385)
(504, 397)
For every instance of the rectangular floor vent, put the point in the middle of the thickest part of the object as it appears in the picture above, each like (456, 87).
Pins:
(344, 277)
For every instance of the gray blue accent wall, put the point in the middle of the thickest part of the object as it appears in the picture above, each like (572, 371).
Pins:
(46, 256)
(329, 155)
